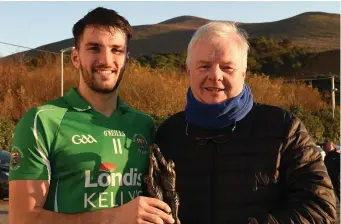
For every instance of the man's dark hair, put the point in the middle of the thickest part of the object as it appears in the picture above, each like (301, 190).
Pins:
(101, 17)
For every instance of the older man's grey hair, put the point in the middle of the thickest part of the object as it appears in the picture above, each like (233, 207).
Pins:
(224, 30)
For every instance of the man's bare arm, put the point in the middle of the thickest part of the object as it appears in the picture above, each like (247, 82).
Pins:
(27, 198)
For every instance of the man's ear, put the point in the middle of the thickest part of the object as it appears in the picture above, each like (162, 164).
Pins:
(187, 70)
(127, 57)
(75, 58)
(244, 75)
(126, 60)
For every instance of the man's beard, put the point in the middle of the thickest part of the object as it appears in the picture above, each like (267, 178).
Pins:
(90, 81)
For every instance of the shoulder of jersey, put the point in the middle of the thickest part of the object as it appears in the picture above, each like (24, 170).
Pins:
(138, 113)
(56, 105)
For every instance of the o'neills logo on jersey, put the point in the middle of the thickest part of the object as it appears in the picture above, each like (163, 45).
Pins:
(83, 139)
(111, 178)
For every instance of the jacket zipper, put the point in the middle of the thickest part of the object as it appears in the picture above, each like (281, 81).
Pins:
(213, 185)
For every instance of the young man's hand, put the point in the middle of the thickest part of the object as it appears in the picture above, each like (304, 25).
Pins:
(144, 210)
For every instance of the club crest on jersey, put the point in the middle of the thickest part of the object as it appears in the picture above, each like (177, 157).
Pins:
(140, 140)
(15, 158)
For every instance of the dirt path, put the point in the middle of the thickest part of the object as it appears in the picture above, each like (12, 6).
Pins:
(3, 212)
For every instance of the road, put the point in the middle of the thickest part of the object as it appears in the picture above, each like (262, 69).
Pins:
(4, 212)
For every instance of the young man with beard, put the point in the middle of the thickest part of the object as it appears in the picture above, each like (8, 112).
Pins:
(81, 158)
(237, 161)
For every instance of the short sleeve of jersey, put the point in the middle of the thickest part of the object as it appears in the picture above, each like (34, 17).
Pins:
(148, 129)
(29, 155)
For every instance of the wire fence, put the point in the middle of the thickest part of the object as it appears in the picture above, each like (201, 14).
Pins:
(29, 48)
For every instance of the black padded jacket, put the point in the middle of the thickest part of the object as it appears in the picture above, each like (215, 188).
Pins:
(263, 169)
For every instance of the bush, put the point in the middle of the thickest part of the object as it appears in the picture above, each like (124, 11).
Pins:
(320, 124)
(6, 130)
(331, 125)
(163, 60)
(158, 120)
(161, 92)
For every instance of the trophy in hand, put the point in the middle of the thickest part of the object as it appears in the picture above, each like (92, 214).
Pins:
(160, 181)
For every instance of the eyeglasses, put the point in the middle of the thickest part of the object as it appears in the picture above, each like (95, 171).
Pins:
(220, 138)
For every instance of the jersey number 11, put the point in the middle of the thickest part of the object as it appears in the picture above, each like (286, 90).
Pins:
(117, 145)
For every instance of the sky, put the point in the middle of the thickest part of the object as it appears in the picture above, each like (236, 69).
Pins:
(32, 24)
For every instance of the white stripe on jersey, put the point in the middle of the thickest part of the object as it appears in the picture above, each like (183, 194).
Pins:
(56, 198)
(40, 150)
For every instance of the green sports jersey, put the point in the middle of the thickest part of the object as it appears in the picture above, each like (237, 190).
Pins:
(92, 161)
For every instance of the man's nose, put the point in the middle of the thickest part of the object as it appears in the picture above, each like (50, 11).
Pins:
(106, 57)
(216, 74)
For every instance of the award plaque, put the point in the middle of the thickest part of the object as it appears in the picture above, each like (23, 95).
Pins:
(160, 181)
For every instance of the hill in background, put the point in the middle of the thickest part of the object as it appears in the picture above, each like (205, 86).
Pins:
(317, 31)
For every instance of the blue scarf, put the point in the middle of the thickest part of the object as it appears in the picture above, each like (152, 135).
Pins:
(213, 116)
